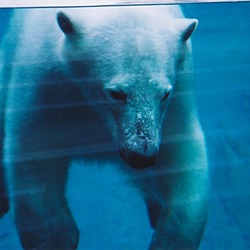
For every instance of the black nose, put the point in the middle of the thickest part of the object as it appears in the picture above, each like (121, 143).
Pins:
(139, 161)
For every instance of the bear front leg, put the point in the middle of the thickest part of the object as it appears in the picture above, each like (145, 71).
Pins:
(176, 231)
(180, 219)
(41, 213)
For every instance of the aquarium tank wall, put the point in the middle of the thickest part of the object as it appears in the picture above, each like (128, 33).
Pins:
(125, 127)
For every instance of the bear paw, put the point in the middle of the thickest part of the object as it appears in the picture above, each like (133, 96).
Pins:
(57, 236)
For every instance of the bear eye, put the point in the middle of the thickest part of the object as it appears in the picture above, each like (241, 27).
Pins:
(118, 96)
(165, 97)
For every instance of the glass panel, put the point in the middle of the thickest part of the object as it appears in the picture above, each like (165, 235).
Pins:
(109, 92)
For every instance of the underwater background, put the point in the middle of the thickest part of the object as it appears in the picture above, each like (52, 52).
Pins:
(112, 215)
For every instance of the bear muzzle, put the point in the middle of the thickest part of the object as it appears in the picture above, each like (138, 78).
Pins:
(138, 160)
(139, 146)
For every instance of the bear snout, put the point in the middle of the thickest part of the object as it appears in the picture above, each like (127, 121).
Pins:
(138, 160)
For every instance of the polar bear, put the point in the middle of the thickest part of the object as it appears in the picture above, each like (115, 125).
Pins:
(114, 85)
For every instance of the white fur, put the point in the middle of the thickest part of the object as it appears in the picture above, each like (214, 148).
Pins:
(137, 51)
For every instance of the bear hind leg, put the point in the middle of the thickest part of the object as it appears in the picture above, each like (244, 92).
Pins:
(4, 203)
(154, 211)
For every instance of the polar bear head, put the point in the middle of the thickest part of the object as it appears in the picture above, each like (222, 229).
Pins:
(127, 61)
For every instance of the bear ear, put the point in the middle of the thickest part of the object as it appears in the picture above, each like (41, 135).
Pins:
(189, 27)
(65, 24)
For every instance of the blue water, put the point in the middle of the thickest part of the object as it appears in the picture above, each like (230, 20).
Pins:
(111, 215)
